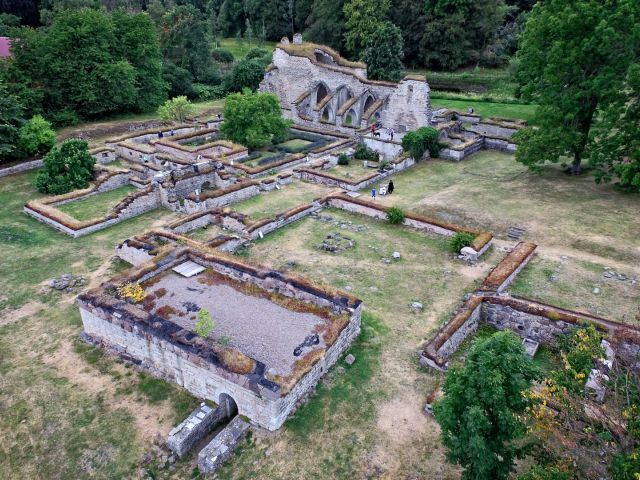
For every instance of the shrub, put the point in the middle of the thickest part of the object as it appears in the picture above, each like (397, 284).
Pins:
(204, 324)
(422, 140)
(221, 55)
(255, 53)
(395, 216)
(247, 73)
(343, 159)
(365, 153)
(131, 291)
(36, 136)
(176, 109)
(461, 240)
(206, 92)
(67, 168)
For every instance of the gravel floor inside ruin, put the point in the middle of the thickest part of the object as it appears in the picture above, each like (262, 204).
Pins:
(256, 326)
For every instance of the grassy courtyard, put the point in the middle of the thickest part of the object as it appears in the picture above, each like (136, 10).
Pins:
(275, 201)
(97, 205)
(68, 411)
(367, 419)
(485, 109)
(582, 285)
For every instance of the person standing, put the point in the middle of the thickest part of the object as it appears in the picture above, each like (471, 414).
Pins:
(390, 187)
(373, 194)
(391, 132)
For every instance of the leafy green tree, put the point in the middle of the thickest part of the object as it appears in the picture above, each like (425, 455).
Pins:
(326, 23)
(411, 17)
(87, 62)
(479, 413)
(252, 119)
(458, 30)
(8, 23)
(383, 54)
(11, 118)
(179, 80)
(138, 44)
(573, 61)
(363, 17)
(36, 136)
(205, 324)
(177, 109)
(616, 141)
(185, 39)
(424, 139)
(247, 73)
(66, 168)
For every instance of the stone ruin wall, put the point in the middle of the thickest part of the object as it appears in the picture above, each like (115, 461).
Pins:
(172, 362)
(406, 105)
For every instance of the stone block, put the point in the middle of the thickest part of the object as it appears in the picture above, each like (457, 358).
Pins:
(221, 447)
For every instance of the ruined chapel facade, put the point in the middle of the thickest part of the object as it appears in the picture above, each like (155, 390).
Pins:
(319, 88)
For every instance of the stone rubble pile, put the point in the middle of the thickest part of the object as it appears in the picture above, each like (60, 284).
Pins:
(67, 282)
(335, 242)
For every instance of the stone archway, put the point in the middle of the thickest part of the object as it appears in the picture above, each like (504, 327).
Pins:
(370, 100)
(227, 403)
(321, 92)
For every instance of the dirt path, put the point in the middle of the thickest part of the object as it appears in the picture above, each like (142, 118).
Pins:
(151, 420)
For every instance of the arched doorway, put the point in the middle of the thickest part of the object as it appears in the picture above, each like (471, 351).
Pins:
(229, 405)
(368, 102)
(321, 93)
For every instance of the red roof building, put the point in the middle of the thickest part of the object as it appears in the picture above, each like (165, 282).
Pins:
(5, 47)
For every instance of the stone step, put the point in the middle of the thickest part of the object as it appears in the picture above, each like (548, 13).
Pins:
(515, 232)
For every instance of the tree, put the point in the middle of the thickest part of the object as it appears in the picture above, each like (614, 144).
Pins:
(411, 17)
(325, 24)
(179, 80)
(8, 23)
(177, 109)
(479, 413)
(11, 119)
(253, 119)
(363, 17)
(383, 54)
(573, 60)
(457, 31)
(616, 141)
(247, 73)
(424, 139)
(138, 44)
(185, 39)
(87, 62)
(36, 136)
(66, 168)
(205, 324)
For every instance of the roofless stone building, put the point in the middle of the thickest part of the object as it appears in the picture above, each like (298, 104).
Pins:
(317, 87)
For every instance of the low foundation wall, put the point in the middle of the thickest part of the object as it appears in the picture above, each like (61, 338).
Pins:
(21, 167)
(251, 190)
(386, 148)
(166, 360)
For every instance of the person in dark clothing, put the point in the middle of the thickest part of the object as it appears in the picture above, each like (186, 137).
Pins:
(160, 134)
(390, 187)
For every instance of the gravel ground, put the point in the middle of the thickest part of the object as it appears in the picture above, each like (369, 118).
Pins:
(257, 327)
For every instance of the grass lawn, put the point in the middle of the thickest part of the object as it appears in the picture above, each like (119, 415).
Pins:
(68, 411)
(295, 143)
(97, 132)
(119, 164)
(581, 285)
(97, 205)
(207, 233)
(270, 203)
(369, 417)
(239, 48)
(561, 213)
(488, 109)
(355, 169)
